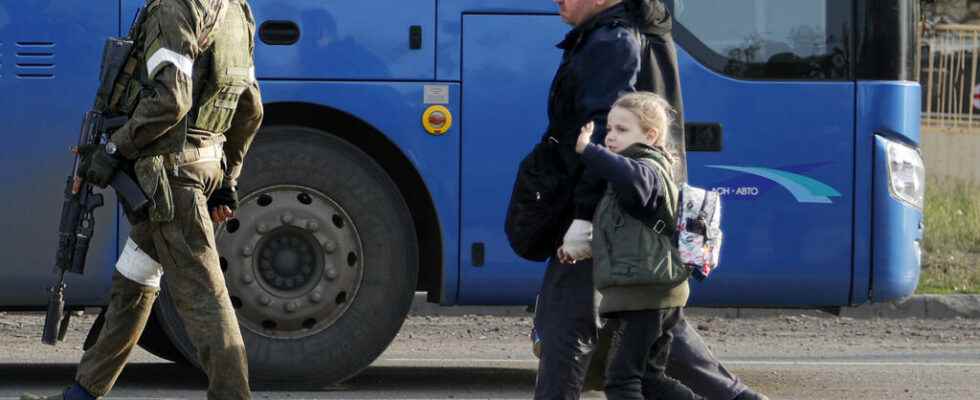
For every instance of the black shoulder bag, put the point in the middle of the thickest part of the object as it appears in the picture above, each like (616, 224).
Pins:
(541, 205)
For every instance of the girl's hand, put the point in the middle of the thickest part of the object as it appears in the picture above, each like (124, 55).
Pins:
(585, 137)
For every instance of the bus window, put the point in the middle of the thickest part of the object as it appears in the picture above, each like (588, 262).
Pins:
(886, 40)
(768, 39)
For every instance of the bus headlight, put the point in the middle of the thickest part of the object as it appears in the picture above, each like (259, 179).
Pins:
(906, 174)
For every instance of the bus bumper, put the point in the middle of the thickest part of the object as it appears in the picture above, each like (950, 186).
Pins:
(896, 235)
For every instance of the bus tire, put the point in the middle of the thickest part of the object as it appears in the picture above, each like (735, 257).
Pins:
(321, 261)
(155, 340)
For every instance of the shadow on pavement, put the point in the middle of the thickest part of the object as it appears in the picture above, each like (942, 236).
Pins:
(56, 376)
(45, 377)
(459, 378)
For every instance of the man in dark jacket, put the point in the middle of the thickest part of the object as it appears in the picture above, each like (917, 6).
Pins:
(616, 46)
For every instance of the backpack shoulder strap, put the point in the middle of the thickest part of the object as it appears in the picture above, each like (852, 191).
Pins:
(709, 210)
(664, 221)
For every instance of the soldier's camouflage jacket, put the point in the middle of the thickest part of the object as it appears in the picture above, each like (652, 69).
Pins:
(195, 84)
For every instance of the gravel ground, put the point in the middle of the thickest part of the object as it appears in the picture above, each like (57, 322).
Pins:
(498, 337)
(798, 357)
(792, 335)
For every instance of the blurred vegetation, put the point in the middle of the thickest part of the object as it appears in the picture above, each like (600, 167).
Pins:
(951, 257)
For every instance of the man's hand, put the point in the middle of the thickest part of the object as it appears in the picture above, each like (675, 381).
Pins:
(222, 204)
(584, 137)
(577, 244)
(564, 258)
(97, 167)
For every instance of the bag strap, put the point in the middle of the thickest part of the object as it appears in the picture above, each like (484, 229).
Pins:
(709, 207)
(664, 220)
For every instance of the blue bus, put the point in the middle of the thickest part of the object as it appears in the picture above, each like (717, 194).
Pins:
(393, 132)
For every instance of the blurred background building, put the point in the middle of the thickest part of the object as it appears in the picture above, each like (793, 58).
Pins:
(949, 46)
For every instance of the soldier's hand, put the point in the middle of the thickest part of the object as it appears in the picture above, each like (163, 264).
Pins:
(97, 166)
(220, 214)
(223, 203)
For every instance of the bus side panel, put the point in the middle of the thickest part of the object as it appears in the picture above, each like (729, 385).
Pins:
(883, 109)
(48, 48)
(395, 109)
(508, 61)
(358, 40)
(450, 12)
(785, 174)
(367, 39)
(864, 166)
(787, 154)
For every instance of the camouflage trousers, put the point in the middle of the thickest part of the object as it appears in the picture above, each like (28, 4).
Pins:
(186, 249)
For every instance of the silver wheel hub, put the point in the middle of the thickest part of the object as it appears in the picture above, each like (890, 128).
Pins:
(292, 261)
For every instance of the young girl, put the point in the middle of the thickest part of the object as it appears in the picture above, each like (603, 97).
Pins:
(638, 274)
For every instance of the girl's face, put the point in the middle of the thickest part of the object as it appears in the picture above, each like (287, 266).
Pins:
(623, 130)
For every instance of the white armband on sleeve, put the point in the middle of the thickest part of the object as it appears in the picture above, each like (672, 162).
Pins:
(163, 56)
(138, 266)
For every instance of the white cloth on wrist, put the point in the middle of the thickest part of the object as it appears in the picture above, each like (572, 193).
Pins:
(577, 243)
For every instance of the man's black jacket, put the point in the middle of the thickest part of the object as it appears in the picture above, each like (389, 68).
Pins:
(625, 48)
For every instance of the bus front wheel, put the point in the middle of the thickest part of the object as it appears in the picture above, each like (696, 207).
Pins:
(321, 261)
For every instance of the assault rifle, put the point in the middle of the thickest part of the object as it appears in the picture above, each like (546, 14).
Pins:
(77, 212)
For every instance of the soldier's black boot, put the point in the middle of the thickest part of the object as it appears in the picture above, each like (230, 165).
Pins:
(75, 392)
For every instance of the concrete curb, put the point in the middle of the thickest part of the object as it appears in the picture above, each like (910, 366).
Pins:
(919, 306)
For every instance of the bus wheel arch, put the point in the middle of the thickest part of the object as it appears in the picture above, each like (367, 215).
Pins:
(321, 261)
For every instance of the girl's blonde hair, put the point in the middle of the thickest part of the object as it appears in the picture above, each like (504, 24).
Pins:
(655, 115)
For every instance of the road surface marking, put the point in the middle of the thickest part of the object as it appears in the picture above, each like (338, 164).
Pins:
(454, 361)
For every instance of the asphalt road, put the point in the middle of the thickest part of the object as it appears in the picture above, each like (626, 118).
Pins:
(469, 357)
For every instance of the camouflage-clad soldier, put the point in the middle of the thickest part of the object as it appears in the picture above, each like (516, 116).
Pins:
(195, 108)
